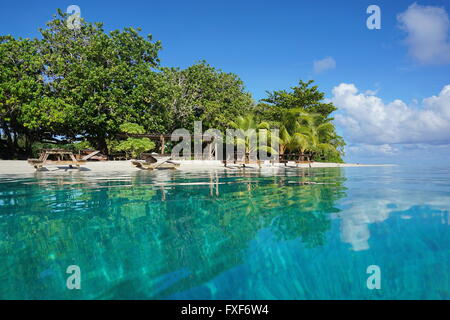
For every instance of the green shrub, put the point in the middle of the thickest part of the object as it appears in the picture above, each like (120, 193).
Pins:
(135, 146)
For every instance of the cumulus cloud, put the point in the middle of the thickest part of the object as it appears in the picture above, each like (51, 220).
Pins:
(427, 29)
(367, 119)
(324, 64)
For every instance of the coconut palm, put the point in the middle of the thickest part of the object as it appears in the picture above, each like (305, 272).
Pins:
(292, 137)
(292, 141)
(303, 132)
(319, 131)
(253, 135)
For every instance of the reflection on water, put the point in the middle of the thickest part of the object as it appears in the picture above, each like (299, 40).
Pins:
(276, 234)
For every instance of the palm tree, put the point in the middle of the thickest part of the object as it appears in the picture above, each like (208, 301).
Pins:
(319, 131)
(253, 135)
(306, 132)
(294, 141)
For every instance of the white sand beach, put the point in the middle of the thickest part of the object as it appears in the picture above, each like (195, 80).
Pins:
(23, 167)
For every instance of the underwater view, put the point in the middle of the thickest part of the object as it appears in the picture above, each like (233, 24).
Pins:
(236, 234)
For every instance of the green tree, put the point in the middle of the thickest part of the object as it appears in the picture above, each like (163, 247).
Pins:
(303, 96)
(320, 134)
(204, 93)
(21, 89)
(250, 129)
(293, 141)
(134, 146)
(290, 110)
(98, 77)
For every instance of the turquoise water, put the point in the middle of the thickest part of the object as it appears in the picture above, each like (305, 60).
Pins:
(275, 234)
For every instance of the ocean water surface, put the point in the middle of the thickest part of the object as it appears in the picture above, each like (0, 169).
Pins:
(239, 234)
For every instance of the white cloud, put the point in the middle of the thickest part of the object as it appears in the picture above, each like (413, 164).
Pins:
(324, 64)
(416, 154)
(367, 119)
(363, 209)
(372, 150)
(428, 33)
(371, 92)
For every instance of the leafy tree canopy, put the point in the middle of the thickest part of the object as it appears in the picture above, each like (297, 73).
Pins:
(304, 97)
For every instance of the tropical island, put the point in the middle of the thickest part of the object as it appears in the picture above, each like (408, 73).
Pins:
(128, 173)
(86, 88)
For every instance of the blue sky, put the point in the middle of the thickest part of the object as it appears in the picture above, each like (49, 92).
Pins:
(273, 44)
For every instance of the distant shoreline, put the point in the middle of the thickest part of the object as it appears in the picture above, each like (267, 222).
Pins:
(17, 167)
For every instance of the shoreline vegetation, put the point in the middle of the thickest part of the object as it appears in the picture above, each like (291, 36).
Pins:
(84, 88)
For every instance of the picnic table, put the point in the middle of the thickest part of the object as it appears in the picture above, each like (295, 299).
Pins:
(63, 157)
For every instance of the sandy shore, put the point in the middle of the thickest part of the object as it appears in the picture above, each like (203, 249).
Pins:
(22, 167)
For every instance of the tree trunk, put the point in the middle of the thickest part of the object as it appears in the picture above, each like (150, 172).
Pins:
(102, 145)
(29, 144)
(16, 143)
(7, 133)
